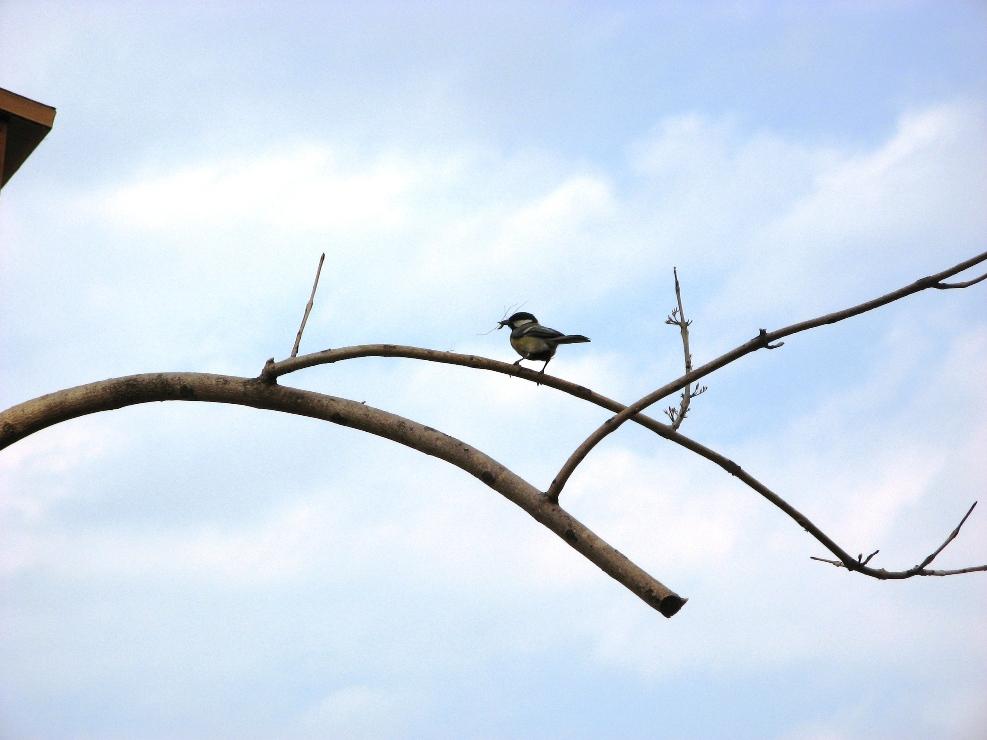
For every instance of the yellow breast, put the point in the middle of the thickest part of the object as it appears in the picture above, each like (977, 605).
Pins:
(529, 346)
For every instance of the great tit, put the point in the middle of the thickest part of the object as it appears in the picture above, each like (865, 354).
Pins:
(533, 341)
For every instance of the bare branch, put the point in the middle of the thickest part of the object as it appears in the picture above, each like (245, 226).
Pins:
(308, 306)
(24, 419)
(764, 340)
(677, 318)
(662, 430)
(263, 392)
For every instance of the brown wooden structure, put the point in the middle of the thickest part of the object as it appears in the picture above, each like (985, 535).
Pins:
(23, 124)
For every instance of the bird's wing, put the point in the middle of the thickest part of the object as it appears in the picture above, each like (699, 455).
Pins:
(542, 332)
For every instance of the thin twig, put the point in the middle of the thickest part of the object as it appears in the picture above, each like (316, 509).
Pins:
(860, 559)
(952, 536)
(764, 340)
(308, 306)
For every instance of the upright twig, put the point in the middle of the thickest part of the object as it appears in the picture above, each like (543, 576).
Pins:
(308, 306)
(677, 318)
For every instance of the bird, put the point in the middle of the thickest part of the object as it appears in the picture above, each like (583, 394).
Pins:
(533, 341)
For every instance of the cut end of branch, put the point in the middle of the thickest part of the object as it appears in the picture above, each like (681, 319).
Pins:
(670, 605)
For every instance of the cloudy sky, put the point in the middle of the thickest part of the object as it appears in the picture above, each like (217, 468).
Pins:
(177, 570)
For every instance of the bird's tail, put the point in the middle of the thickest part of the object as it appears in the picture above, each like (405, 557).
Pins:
(570, 339)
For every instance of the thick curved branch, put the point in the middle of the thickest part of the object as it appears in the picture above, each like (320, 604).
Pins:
(764, 340)
(24, 419)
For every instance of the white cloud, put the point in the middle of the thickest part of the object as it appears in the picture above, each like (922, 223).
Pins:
(913, 203)
(540, 230)
(411, 235)
(299, 189)
(33, 471)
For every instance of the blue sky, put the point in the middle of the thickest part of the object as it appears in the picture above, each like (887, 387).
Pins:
(182, 571)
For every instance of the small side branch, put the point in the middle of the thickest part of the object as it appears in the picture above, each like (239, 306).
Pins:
(965, 284)
(918, 570)
(762, 336)
(950, 538)
(308, 307)
(677, 318)
(860, 559)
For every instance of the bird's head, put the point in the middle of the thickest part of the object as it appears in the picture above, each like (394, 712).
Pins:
(518, 319)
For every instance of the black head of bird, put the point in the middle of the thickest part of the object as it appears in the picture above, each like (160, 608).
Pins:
(533, 341)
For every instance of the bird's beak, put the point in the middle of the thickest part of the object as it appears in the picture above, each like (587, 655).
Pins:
(501, 324)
